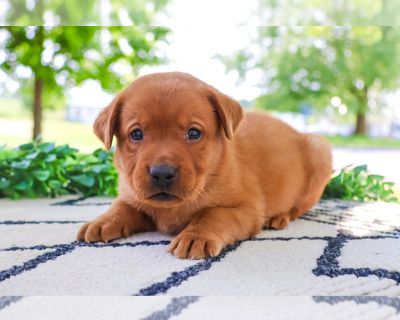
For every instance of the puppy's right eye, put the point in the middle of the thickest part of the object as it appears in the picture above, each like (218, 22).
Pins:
(137, 135)
(193, 134)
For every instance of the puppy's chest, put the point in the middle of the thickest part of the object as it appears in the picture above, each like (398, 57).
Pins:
(170, 221)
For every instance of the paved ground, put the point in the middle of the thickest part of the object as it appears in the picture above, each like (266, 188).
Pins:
(380, 161)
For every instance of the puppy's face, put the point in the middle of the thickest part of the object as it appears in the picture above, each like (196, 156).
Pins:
(171, 130)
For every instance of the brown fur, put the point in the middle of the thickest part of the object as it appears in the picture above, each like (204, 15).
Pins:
(248, 170)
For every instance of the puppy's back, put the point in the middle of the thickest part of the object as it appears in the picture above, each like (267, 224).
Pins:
(285, 162)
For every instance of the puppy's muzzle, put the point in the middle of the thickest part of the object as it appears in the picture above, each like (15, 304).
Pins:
(163, 176)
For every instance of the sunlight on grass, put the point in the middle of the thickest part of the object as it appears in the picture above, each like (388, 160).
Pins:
(14, 132)
(364, 142)
(78, 135)
(16, 127)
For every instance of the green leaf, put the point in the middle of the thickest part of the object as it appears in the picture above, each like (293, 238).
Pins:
(32, 155)
(4, 183)
(376, 177)
(41, 175)
(84, 180)
(360, 168)
(24, 185)
(46, 147)
(50, 158)
(389, 184)
(98, 168)
(20, 164)
(101, 154)
(54, 184)
(26, 146)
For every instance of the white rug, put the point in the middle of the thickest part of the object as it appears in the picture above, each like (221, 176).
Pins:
(337, 249)
(200, 308)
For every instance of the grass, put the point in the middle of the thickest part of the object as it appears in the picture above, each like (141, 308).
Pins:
(16, 128)
(15, 132)
(364, 142)
(12, 108)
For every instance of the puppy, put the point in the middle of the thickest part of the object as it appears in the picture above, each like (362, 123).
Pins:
(193, 164)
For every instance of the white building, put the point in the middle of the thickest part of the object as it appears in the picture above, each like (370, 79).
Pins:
(86, 102)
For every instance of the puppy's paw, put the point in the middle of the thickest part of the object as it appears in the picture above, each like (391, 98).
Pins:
(279, 222)
(188, 245)
(104, 229)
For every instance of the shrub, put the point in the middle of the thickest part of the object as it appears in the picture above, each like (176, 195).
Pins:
(94, 174)
(355, 183)
(44, 170)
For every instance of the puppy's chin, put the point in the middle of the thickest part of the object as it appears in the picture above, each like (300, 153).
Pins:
(166, 199)
(163, 200)
(157, 199)
(175, 197)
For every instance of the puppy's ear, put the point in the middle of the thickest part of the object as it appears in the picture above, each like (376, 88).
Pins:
(229, 111)
(106, 123)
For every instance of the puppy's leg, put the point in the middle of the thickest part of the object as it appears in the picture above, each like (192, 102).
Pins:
(214, 228)
(319, 171)
(279, 222)
(120, 220)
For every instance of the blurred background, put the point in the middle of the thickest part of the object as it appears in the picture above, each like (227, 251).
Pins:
(288, 57)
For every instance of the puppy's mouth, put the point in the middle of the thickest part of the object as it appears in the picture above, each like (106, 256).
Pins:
(163, 196)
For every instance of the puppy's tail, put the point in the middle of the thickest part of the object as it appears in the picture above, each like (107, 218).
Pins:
(318, 165)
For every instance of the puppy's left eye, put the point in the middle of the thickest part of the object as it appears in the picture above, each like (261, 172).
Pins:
(137, 135)
(193, 134)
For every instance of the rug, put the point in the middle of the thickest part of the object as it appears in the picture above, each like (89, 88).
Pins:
(200, 308)
(339, 248)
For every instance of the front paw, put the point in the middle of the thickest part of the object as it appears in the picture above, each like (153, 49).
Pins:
(190, 245)
(104, 228)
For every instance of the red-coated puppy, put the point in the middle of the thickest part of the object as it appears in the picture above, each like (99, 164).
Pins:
(193, 164)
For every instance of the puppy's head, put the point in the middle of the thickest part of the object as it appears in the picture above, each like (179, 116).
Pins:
(171, 131)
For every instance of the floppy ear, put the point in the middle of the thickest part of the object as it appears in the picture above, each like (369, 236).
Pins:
(229, 111)
(105, 124)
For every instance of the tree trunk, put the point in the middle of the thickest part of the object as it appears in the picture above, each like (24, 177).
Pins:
(361, 115)
(37, 108)
(361, 124)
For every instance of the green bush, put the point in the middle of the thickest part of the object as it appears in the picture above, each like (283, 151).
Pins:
(355, 183)
(94, 174)
(45, 170)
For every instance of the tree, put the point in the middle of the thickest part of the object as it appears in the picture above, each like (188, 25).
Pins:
(328, 12)
(80, 13)
(311, 65)
(55, 58)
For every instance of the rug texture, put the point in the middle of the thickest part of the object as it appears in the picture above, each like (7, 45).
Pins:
(200, 308)
(338, 249)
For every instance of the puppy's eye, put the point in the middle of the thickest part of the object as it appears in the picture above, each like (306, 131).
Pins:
(193, 134)
(137, 134)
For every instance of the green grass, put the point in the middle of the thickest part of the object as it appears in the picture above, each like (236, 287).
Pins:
(11, 108)
(16, 128)
(14, 132)
(364, 142)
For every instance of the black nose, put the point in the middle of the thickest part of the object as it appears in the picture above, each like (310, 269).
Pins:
(163, 175)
